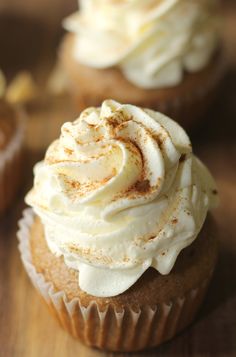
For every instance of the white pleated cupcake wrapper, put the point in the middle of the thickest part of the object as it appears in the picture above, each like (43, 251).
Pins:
(9, 164)
(125, 329)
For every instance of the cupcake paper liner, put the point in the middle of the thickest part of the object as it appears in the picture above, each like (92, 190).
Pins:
(10, 165)
(122, 329)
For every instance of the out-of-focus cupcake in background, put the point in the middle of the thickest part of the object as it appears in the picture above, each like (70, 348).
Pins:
(12, 127)
(165, 54)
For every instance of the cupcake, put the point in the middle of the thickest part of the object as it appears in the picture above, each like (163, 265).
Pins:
(116, 242)
(163, 55)
(11, 149)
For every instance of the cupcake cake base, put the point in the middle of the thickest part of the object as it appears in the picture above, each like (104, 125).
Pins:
(152, 311)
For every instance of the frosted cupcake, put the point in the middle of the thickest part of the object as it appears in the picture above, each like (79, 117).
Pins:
(163, 55)
(115, 242)
(11, 149)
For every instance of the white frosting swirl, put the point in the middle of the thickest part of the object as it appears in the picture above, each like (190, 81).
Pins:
(118, 192)
(152, 42)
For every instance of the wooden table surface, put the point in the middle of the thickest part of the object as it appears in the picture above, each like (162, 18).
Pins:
(26, 328)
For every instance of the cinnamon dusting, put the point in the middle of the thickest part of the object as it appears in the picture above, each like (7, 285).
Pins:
(152, 237)
(68, 151)
(142, 186)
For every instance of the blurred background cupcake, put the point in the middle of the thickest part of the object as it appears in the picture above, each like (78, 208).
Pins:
(165, 55)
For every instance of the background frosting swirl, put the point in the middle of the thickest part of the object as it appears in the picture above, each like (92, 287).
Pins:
(152, 42)
(118, 192)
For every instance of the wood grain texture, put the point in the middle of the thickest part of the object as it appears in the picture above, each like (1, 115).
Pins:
(27, 329)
